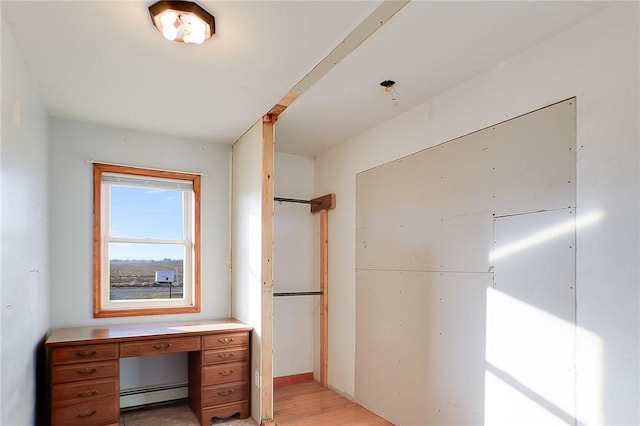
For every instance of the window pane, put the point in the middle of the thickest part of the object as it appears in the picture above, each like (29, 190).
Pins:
(139, 212)
(140, 271)
(146, 241)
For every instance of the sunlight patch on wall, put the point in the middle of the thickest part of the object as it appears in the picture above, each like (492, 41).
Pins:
(546, 235)
(531, 366)
(506, 405)
(532, 353)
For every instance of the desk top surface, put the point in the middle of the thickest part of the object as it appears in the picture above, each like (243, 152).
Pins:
(141, 331)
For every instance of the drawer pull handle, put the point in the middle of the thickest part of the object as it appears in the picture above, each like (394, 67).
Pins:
(87, 413)
(226, 355)
(226, 372)
(85, 371)
(226, 340)
(87, 393)
(85, 354)
(162, 346)
(225, 392)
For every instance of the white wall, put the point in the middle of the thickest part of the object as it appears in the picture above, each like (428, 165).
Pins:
(295, 318)
(73, 145)
(596, 61)
(24, 225)
(246, 247)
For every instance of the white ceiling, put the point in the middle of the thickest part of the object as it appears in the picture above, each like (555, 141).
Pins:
(104, 62)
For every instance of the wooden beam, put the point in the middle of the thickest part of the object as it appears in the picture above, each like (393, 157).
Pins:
(385, 11)
(269, 118)
(289, 98)
(266, 361)
(276, 110)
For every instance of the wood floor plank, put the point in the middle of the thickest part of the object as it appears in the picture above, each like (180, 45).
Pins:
(308, 403)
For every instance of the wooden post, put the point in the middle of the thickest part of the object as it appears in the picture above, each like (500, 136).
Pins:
(266, 361)
(323, 204)
(324, 299)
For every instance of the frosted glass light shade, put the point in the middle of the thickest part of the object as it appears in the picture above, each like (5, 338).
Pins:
(182, 21)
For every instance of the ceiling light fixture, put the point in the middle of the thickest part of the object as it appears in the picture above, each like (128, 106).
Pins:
(387, 86)
(182, 21)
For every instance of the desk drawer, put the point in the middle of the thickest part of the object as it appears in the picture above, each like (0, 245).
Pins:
(160, 346)
(224, 373)
(223, 394)
(84, 353)
(220, 341)
(83, 391)
(86, 371)
(101, 411)
(225, 355)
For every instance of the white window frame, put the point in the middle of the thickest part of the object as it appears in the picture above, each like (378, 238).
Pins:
(108, 175)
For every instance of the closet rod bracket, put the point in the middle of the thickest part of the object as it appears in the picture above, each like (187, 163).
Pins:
(327, 202)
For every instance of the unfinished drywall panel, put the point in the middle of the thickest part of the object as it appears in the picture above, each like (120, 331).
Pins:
(530, 371)
(534, 160)
(295, 334)
(385, 221)
(437, 208)
(466, 202)
(422, 352)
(246, 248)
(451, 192)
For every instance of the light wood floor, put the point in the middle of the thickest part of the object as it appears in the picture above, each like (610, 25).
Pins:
(308, 403)
(299, 404)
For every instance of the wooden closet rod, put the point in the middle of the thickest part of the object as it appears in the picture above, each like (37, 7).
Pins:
(298, 293)
(295, 200)
(323, 205)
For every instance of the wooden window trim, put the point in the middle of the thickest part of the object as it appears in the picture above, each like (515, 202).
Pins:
(98, 311)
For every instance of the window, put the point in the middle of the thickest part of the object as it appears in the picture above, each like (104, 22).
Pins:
(146, 241)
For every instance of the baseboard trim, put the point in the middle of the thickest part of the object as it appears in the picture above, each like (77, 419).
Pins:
(153, 394)
(294, 378)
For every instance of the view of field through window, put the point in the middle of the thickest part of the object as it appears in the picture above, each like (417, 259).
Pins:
(136, 279)
(146, 261)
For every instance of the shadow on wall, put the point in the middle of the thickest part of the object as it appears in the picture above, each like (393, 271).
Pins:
(42, 411)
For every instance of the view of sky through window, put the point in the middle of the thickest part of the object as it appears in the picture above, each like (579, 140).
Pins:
(138, 212)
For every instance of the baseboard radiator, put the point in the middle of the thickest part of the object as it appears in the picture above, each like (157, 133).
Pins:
(145, 395)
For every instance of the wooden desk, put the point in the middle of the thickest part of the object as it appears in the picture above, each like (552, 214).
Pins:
(84, 366)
